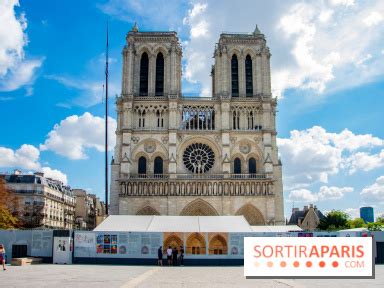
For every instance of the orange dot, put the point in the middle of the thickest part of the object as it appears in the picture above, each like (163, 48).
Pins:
(335, 264)
(257, 264)
(283, 263)
(322, 264)
(308, 264)
(296, 264)
(270, 264)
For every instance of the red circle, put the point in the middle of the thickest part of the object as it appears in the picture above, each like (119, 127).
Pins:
(296, 264)
(322, 264)
(308, 264)
(335, 264)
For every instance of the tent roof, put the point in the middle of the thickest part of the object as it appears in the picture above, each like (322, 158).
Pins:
(134, 223)
(276, 228)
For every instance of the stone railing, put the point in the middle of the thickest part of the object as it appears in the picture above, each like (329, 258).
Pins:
(196, 185)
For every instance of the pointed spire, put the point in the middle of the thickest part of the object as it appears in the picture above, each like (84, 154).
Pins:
(135, 28)
(257, 31)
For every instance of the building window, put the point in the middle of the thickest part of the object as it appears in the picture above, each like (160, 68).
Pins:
(159, 90)
(142, 167)
(158, 165)
(237, 166)
(236, 120)
(252, 166)
(198, 158)
(142, 119)
(160, 119)
(248, 76)
(251, 120)
(144, 66)
(235, 76)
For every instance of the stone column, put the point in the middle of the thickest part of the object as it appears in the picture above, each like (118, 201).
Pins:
(151, 75)
(258, 74)
(125, 75)
(225, 86)
(241, 67)
(130, 71)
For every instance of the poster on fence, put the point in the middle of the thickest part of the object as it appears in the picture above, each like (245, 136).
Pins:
(85, 244)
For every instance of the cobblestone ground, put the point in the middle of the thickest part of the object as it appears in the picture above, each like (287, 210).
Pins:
(146, 276)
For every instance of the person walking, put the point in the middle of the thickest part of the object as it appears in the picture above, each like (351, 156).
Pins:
(174, 256)
(169, 255)
(2, 256)
(181, 255)
(160, 256)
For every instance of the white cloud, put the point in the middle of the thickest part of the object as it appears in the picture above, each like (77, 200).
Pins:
(15, 70)
(325, 193)
(27, 157)
(353, 212)
(55, 174)
(374, 18)
(75, 134)
(312, 155)
(375, 192)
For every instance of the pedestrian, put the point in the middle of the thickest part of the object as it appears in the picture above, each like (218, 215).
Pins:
(174, 256)
(181, 255)
(160, 256)
(2, 256)
(169, 255)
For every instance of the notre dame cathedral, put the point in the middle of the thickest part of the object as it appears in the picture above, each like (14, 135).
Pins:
(179, 155)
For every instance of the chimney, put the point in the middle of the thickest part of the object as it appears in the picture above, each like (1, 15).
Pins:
(306, 208)
(310, 205)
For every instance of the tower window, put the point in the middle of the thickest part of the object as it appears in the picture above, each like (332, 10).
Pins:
(235, 76)
(142, 165)
(252, 166)
(159, 90)
(144, 66)
(248, 76)
(142, 120)
(158, 165)
(237, 166)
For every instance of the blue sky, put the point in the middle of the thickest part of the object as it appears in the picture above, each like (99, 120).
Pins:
(327, 70)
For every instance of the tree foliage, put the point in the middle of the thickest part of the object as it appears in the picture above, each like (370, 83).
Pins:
(334, 220)
(356, 223)
(8, 207)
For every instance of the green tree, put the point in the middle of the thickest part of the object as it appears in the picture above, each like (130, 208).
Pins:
(356, 223)
(334, 220)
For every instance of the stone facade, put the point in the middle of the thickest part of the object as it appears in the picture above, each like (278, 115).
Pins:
(43, 202)
(178, 155)
(89, 212)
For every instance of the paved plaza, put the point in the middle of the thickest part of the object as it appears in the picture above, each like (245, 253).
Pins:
(48, 275)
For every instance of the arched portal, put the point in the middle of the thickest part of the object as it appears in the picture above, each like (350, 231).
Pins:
(195, 244)
(218, 245)
(172, 241)
(237, 166)
(147, 210)
(251, 214)
(199, 207)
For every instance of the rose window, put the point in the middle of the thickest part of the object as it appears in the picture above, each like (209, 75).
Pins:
(198, 158)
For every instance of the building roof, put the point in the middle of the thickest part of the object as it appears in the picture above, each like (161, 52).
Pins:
(276, 228)
(135, 223)
(300, 214)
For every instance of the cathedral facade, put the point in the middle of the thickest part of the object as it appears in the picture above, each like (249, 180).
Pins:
(178, 155)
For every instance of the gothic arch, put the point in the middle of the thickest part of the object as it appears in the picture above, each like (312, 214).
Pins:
(172, 240)
(195, 244)
(251, 214)
(199, 207)
(218, 245)
(139, 148)
(147, 210)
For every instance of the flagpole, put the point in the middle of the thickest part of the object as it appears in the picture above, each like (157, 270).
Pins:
(106, 126)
